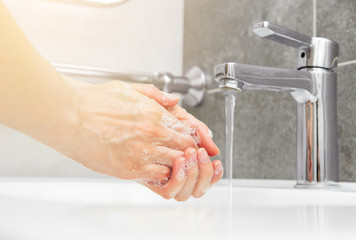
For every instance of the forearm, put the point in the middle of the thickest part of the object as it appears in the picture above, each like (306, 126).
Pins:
(34, 98)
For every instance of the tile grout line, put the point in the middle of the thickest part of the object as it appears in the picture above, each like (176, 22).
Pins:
(314, 18)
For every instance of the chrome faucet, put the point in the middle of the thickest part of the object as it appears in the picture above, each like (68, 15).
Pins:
(312, 85)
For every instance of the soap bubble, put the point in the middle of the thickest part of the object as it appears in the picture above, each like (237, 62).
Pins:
(172, 123)
(145, 154)
(181, 175)
(189, 164)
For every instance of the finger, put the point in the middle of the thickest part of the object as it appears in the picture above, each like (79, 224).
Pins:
(206, 172)
(174, 185)
(206, 140)
(154, 172)
(204, 132)
(171, 139)
(192, 173)
(218, 172)
(162, 156)
(165, 99)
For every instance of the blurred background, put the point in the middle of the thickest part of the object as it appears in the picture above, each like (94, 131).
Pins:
(172, 36)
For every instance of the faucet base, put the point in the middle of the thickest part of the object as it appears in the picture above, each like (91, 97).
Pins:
(317, 185)
(198, 82)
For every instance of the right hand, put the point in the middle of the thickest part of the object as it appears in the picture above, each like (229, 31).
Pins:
(169, 101)
(120, 132)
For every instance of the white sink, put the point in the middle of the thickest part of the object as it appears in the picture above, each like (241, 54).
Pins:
(110, 209)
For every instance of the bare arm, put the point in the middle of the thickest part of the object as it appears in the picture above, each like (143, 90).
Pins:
(113, 128)
(34, 99)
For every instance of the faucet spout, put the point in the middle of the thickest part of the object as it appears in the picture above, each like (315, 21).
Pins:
(315, 93)
(313, 86)
(263, 78)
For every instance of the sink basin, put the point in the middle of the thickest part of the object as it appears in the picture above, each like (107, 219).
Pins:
(112, 209)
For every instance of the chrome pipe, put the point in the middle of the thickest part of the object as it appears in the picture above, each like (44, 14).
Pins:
(105, 74)
(191, 86)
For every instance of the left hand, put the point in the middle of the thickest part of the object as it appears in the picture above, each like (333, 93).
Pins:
(201, 175)
(169, 101)
(192, 175)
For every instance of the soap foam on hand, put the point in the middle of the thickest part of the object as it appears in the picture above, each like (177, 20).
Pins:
(172, 123)
(145, 154)
(189, 164)
(155, 184)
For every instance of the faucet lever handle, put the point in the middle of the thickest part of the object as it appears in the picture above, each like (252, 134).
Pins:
(282, 35)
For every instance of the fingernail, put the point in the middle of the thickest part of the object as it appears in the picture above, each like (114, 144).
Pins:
(193, 156)
(171, 96)
(218, 152)
(210, 133)
(203, 156)
(191, 151)
(218, 169)
(181, 172)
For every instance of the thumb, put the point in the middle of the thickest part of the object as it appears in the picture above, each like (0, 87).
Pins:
(155, 172)
(165, 99)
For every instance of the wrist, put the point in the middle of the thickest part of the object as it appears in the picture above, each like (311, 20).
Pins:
(62, 119)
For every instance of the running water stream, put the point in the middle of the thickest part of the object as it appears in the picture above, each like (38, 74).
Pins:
(230, 99)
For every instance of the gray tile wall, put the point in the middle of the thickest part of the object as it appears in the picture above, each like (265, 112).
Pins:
(265, 137)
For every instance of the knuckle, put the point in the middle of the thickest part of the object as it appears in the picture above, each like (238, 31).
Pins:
(181, 198)
(151, 131)
(206, 173)
(154, 88)
(148, 128)
(192, 143)
(151, 88)
(194, 172)
(187, 141)
(196, 195)
(166, 196)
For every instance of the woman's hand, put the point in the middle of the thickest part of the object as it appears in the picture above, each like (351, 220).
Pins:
(169, 101)
(123, 133)
(205, 135)
(192, 175)
(110, 128)
(199, 172)
(128, 135)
